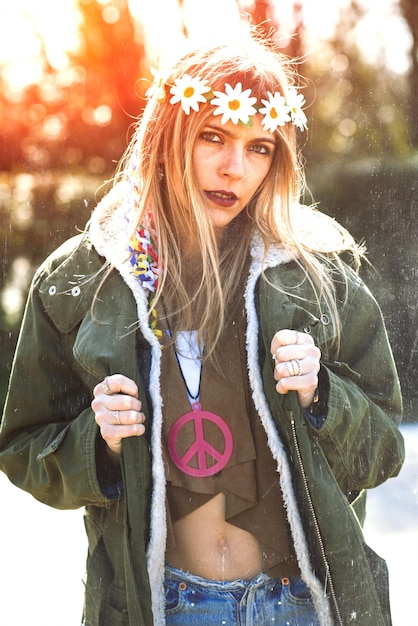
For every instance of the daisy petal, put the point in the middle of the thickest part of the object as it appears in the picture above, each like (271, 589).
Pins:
(234, 104)
(276, 112)
(295, 102)
(189, 92)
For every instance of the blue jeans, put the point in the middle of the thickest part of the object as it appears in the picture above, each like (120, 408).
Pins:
(280, 601)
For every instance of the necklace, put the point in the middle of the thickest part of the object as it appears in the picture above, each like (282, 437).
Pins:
(202, 458)
(189, 361)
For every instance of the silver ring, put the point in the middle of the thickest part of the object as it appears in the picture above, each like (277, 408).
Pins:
(116, 414)
(105, 387)
(296, 364)
(294, 368)
(290, 368)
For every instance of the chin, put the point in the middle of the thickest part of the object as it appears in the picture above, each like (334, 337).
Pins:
(220, 222)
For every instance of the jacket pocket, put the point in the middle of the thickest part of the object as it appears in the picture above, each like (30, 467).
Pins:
(343, 370)
(104, 603)
(380, 575)
(53, 445)
(357, 500)
(114, 611)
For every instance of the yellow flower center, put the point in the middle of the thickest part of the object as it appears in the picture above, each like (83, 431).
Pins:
(234, 105)
(273, 113)
(188, 92)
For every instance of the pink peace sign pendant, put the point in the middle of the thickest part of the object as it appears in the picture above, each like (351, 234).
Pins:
(201, 450)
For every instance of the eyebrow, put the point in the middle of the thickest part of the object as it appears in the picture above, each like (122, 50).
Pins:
(220, 128)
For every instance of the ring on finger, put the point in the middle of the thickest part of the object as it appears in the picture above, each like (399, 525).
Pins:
(294, 367)
(290, 368)
(297, 369)
(116, 414)
(105, 387)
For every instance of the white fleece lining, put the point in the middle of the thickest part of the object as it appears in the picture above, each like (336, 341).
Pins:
(275, 257)
(107, 232)
(105, 242)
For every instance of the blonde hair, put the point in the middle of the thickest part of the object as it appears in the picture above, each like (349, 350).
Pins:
(158, 164)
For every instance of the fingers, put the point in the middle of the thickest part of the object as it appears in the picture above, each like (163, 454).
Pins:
(119, 424)
(117, 383)
(117, 410)
(295, 353)
(297, 363)
(287, 337)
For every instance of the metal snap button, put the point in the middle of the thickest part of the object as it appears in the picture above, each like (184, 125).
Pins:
(285, 581)
(75, 291)
(52, 290)
(182, 586)
(325, 319)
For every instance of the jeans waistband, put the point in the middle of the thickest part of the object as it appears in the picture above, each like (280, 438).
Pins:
(239, 584)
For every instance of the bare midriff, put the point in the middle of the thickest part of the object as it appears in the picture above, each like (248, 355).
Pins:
(209, 547)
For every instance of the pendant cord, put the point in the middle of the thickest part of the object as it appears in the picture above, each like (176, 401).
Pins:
(194, 398)
(170, 334)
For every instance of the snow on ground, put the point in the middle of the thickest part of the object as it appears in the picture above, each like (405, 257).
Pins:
(391, 529)
(43, 550)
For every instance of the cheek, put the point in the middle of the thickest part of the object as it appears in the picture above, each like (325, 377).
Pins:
(198, 168)
(198, 173)
(259, 178)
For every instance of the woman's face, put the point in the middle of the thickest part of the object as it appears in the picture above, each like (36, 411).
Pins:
(230, 162)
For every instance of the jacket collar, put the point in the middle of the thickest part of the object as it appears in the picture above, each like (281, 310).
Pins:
(111, 227)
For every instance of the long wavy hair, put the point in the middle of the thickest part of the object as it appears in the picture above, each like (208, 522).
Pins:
(158, 166)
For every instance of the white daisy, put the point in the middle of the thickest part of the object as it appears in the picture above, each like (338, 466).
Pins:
(234, 104)
(276, 112)
(157, 87)
(295, 102)
(189, 92)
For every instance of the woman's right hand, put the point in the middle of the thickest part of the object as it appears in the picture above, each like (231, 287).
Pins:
(117, 411)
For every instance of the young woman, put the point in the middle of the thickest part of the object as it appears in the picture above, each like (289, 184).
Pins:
(203, 372)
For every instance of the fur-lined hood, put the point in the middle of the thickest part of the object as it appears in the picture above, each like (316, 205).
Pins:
(111, 228)
(113, 222)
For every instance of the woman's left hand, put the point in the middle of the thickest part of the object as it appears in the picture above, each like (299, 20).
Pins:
(297, 363)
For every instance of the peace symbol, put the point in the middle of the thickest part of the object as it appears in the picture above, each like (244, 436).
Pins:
(200, 448)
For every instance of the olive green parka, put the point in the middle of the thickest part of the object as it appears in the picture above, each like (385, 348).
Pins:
(73, 335)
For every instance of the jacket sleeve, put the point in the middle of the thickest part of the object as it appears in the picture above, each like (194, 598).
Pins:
(48, 438)
(360, 435)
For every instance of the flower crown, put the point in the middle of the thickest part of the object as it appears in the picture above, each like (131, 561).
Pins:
(234, 103)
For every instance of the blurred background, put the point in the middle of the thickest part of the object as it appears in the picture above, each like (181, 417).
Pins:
(73, 75)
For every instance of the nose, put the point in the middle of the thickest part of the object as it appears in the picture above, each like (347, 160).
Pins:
(233, 165)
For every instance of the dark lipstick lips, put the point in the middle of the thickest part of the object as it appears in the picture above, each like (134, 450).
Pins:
(222, 198)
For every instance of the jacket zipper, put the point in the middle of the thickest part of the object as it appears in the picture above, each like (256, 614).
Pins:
(328, 580)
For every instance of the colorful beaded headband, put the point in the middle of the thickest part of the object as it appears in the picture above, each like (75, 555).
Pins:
(235, 104)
